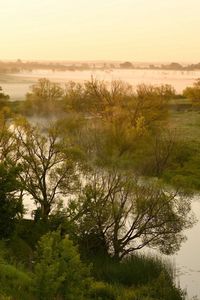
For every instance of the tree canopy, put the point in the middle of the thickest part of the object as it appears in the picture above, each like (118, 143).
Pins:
(11, 206)
(48, 171)
(126, 214)
(193, 93)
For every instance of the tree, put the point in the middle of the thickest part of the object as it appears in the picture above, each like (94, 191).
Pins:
(11, 207)
(7, 141)
(59, 271)
(151, 102)
(117, 117)
(127, 214)
(3, 98)
(46, 90)
(157, 153)
(44, 97)
(126, 65)
(96, 97)
(193, 93)
(48, 171)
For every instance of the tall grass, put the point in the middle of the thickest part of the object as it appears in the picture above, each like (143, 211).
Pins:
(139, 276)
(134, 270)
(15, 283)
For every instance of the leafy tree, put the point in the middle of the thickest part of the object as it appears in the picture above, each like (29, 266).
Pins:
(184, 168)
(126, 65)
(3, 98)
(47, 90)
(124, 215)
(11, 208)
(48, 172)
(108, 100)
(44, 97)
(59, 271)
(7, 141)
(157, 153)
(94, 97)
(193, 93)
(151, 102)
(118, 117)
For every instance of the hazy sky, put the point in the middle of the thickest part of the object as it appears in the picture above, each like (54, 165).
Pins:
(137, 30)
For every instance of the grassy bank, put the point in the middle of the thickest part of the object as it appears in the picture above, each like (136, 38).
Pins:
(135, 278)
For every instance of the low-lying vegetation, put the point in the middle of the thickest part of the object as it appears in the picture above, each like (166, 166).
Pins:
(107, 175)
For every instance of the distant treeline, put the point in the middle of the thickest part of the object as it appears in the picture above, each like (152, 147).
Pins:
(20, 66)
(177, 66)
(171, 66)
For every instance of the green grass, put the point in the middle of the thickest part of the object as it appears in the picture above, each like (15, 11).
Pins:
(185, 118)
(135, 270)
(138, 277)
(14, 282)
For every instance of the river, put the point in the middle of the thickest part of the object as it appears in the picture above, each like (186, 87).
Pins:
(187, 259)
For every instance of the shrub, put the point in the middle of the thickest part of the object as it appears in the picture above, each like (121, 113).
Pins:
(59, 271)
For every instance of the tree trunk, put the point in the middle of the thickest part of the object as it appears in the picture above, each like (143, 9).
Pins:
(45, 210)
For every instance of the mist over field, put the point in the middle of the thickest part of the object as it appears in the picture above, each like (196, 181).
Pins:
(17, 85)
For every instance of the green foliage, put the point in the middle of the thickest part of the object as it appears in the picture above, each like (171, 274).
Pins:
(3, 98)
(19, 251)
(103, 291)
(30, 231)
(59, 271)
(11, 207)
(157, 290)
(161, 289)
(117, 118)
(119, 214)
(110, 100)
(184, 170)
(3, 297)
(43, 98)
(14, 282)
(138, 277)
(122, 132)
(135, 270)
(48, 170)
(193, 93)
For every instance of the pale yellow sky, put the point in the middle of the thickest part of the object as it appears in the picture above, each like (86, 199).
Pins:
(137, 30)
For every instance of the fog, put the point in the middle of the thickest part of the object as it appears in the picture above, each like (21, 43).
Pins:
(178, 79)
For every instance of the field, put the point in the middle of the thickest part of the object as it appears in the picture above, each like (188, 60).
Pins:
(185, 118)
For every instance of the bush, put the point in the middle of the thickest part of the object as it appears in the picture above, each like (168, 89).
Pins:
(193, 93)
(59, 271)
